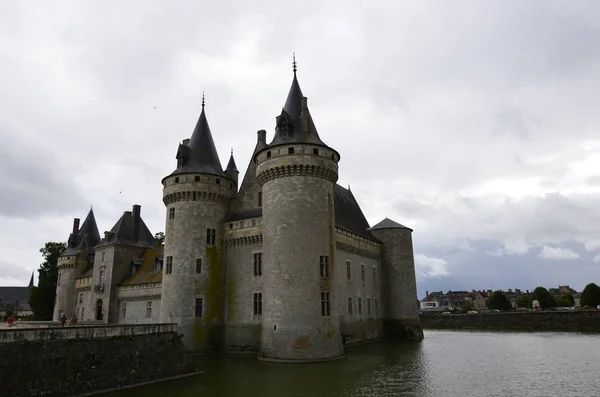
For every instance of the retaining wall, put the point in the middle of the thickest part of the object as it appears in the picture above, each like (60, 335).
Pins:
(78, 360)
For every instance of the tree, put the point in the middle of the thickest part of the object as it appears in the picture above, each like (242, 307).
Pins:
(42, 297)
(523, 300)
(160, 237)
(499, 301)
(467, 306)
(590, 295)
(566, 300)
(543, 296)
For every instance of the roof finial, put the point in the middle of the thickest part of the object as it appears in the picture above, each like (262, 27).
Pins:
(202, 97)
(232, 150)
(294, 63)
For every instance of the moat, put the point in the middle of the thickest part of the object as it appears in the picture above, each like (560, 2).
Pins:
(446, 363)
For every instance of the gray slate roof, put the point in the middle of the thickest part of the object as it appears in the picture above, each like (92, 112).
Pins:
(387, 223)
(121, 233)
(199, 154)
(10, 295)
(86, 238)
(231, 165)
(290, 120)
(348, 215)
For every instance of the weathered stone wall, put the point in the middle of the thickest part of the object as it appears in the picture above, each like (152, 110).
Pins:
(571, 320)
(136, 298)
(199, 205)
(75, 360)
(358, 325)
(242, 330)
(297, 229)
(69, 268)
(400, 286)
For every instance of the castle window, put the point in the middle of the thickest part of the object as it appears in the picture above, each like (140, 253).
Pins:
(59, 277)
(149, 309)
(369, 307)
(290, 150)
(324, 262)
(218, 181)
(349, 306)
(362, 272)
(260, 199)
(80, 298)
(82, 311)
(198, 307)
(230, 226)
(374, 277)
(359, 306)
(211, 236)
(197, 178)
(316, 151)
(199, 265)
(77, 313)
(169, 268)
(376, 308)
(123, 309)
(258, 264)
(103, 255)
(348, 271)
(333, 156)
(171, 213)
(194, 197)
(268, 155)
(176, 179)
(257, 303)
(325, 304)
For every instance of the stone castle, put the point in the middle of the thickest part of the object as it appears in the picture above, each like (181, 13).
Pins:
(284, 265)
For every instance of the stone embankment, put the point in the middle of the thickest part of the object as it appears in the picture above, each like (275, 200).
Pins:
(83, 360)
(564, 321)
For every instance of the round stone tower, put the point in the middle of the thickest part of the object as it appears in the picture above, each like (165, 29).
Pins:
(401, 320)
(297, 173)
(197, 196)
(77, 258)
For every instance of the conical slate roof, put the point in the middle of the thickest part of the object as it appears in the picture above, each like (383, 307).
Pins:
(231, 165)
(387, 223)
(199, 154)
(289, 124)
(87, 237)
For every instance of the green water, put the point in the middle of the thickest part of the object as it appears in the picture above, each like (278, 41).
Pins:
(446, 363)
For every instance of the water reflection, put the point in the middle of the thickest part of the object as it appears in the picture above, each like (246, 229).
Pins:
(445, 364)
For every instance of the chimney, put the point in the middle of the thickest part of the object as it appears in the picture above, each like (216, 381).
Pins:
(75, 225)
(185, 141)
(262, 136)
(135, 227)
(427, 295)
(304, 114)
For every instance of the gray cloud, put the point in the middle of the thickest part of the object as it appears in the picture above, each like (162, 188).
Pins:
(475, 124)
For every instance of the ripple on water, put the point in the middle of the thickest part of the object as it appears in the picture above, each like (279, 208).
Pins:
(446, 363)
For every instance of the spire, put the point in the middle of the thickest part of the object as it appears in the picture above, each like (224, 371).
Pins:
(295, 124)
(88, 232)
(31, 280)
(199, 154)
(231, 165)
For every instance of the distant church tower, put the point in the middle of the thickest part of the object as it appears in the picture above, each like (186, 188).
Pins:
(297, 172)
(197, 196)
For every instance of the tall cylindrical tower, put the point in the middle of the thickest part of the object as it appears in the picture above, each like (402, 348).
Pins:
(297, 172)
(65, 286)
(401, 319)
(197, 196)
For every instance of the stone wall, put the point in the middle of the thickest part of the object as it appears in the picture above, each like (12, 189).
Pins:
(139, 303)
(572, 320)
(76, 360)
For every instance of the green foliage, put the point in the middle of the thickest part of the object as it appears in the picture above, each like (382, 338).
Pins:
(499, 301)
(543, 296)
(42, 297)
(9, 313)
(566, 300)
(523, 300)
(160, 237)
(590, 295)
(468, 305)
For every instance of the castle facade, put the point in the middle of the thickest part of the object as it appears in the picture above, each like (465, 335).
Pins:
(284, 265)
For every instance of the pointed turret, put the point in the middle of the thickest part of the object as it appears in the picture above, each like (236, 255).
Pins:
(295, 124)
(31, 280)
(231, 165)
(85, 237)
(199, 154)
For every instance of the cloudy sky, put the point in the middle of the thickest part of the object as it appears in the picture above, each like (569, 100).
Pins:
(474, 122)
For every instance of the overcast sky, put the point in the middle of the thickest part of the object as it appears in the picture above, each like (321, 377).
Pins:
(476, 123)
